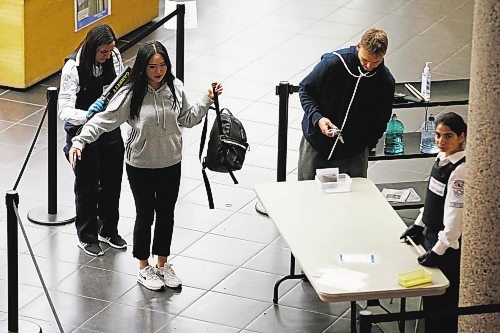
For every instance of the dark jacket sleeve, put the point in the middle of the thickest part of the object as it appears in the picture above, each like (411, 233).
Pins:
(310, 91)
(384, 111)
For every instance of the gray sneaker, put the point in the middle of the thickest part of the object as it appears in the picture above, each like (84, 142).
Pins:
(149, 279)
(168, 276)
(92, 249)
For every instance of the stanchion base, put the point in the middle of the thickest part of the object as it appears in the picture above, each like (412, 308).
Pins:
(259, 208)
(23, 325)
(40, 216)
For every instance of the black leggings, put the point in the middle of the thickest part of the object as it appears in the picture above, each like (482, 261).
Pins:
(155, 191)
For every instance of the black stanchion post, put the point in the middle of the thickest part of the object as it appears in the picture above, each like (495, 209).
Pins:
(12, 264)
(52, 157)
(51, 215)
(181, 12)
(13, 323)
(365, 325)
(282, 90)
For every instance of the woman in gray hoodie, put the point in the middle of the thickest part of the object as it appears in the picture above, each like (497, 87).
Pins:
(155, 106)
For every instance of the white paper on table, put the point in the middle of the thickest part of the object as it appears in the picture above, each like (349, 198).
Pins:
(413, 197)
(341, 278)
(357, 258)
(395, 195)
(403, 195)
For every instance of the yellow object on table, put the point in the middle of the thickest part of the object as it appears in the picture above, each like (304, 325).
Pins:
(415, 278)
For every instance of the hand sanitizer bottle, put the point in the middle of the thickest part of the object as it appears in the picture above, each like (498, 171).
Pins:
(393, 143)
(425, 88)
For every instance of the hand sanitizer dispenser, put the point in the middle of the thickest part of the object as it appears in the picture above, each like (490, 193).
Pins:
(425, 88)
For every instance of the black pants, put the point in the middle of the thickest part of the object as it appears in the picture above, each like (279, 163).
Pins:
(450, 266)
(155, 191)
(98, 179)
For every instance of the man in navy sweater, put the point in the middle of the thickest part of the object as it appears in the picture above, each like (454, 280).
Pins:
(347, 101)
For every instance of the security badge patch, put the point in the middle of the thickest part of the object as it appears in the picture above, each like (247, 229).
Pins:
(458, 188)
(458, 191)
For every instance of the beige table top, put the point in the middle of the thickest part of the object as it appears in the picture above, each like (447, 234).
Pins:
(360, 225)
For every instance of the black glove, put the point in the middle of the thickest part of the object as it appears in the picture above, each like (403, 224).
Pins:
(429, 259)
(415, 232)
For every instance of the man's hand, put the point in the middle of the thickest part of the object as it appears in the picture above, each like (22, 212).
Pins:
(429, 259)
(327, 127)
(415, 232)
(96, 107)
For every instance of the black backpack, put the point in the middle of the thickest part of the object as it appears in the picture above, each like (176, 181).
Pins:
(226, 148)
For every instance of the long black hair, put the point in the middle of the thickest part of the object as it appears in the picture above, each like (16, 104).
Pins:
(139, 80)
(99, 35)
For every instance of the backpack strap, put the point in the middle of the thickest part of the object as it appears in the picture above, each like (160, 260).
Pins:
(208, 189)
(203, 137)
(217, 109)
(202, 161)
(235, 181)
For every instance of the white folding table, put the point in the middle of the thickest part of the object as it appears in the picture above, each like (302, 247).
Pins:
(347, 243)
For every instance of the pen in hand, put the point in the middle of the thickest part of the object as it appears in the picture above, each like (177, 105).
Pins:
(420, 252)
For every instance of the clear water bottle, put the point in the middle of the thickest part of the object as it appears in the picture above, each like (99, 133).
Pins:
(427, 141)
(393, 143)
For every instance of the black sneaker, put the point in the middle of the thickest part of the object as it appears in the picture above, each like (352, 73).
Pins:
(114, 241)
(92, 249)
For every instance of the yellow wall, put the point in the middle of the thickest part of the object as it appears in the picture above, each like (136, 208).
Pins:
(41, 33)
(11, 43)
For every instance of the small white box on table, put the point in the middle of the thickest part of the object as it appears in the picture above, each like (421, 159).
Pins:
(331, 181)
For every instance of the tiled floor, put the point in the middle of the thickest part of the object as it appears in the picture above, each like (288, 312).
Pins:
(230, 257)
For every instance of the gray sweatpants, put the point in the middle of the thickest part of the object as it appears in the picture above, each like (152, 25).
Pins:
(310, 160)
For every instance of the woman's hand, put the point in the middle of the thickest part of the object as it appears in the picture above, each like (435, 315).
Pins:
(74, 155)
(218, 90)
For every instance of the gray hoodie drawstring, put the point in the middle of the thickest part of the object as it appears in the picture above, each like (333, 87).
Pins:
(158, 113)
(156, 109)
(361, 74)
(164, 113)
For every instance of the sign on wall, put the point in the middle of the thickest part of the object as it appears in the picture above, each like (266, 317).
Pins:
(90, 11)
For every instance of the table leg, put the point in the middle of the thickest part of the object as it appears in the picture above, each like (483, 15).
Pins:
(353, 317)
(292, 275)
(402, 310)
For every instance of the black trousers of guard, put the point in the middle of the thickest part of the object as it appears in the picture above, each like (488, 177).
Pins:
(98, 178)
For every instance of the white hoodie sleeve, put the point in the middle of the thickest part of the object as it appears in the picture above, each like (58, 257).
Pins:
(66, 100)
(116, 113)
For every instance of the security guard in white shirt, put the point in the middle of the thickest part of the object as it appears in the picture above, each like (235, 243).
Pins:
(98, 176)
(439, 226)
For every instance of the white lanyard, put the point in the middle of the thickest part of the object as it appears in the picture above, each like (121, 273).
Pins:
(361, 74)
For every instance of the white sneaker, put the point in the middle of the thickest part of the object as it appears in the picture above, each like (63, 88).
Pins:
(167, 274)
(149, 279)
